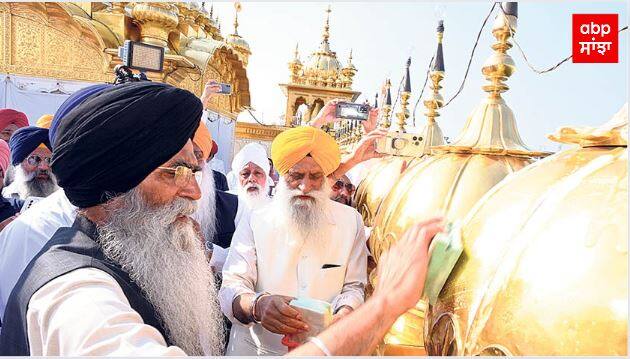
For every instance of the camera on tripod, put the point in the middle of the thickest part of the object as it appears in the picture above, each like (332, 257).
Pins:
(138, 56)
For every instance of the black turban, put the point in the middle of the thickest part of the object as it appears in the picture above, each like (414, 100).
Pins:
(25, 140)
(112, 141)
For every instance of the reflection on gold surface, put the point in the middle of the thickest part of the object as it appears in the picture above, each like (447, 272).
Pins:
(545, 264)
(450, 182)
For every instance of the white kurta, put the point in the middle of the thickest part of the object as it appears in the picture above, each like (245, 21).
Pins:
(85, 312)
(263, 258)
(23, 238)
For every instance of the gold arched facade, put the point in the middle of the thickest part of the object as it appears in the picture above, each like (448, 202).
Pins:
(79, 42)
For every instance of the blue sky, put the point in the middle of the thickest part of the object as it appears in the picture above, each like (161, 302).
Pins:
(383, 34)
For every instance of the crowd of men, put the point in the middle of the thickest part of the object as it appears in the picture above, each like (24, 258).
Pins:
(118, 237)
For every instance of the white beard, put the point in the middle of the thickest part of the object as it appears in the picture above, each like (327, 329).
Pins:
(256, 199)
(166, 259)
(26, 185)
(303, 217)
(206, 210)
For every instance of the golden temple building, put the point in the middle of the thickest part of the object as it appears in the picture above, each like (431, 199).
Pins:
(320, 79)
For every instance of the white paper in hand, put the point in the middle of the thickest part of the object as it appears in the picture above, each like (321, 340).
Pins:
(317, 314)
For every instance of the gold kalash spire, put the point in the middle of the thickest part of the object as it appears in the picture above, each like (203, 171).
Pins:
(384, 174)
(450, 182)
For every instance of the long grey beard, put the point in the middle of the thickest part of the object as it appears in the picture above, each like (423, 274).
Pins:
(27, 185)
(165, 258)
(305, 217)
(253, 200)
(205, 214)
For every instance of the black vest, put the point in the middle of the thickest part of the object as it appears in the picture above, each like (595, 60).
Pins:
(226, 208)
(69, 249)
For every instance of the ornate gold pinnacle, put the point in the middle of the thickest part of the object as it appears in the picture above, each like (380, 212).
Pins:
(500, 65)
(386, 121)
(435, 100)
(403, 114)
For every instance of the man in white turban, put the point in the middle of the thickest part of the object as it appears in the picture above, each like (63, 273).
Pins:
(251, 169)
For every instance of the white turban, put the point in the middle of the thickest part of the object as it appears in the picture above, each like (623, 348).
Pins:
(254, 153)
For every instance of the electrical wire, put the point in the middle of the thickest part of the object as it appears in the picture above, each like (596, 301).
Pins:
(472, 53)
(520, 49)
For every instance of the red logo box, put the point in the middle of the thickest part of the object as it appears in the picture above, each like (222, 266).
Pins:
(595, 38)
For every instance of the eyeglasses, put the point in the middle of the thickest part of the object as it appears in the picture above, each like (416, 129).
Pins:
(35, 160)
(182, 174)
(340, 184)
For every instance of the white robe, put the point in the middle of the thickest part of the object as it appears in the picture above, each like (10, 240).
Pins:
(262, 260)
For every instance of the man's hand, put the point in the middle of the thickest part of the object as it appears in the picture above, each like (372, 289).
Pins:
(342, 312)
(209, 90)
(369, 125)
(403, 269)
(277, 316)
(328, 114)
(366, 149)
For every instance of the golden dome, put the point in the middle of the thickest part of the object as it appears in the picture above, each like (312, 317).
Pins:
(545, 263)
(450, 182)
(322, 68)
(376, 185)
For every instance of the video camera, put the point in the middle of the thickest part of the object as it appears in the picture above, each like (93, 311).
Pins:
(139, 56)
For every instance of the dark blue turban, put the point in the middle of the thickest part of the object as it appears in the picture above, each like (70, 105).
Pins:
(25, 140)
(71, 102)
(112, 141)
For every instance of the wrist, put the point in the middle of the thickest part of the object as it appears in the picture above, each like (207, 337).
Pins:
(254, 312)
(386, 308)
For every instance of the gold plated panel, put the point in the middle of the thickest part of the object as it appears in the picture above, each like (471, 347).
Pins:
(376, 185)
(446, 184)
(545, 265)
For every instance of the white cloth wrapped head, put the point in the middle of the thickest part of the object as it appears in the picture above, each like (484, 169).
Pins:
(254, 153)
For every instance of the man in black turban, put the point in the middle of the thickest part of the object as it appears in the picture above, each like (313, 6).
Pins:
(30, 164)
(130, 276)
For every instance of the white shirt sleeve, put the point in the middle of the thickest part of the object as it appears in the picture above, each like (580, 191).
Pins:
(84, 313)
(353, 291)
(240, 270)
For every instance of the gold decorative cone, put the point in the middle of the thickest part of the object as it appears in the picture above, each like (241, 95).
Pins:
(545, 264)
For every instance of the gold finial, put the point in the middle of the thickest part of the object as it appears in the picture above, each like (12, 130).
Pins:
(435, 100)
(236, 23)
(350, 58)
(296, 53)
(326, 34)
(500, 66)
(211, 10)
(386, 121)
(403, 114)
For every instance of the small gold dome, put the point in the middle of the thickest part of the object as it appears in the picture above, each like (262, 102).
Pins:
(323, 60)
(545, 263)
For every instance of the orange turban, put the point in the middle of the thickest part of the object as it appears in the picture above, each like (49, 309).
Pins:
(203, 139)
(44, 121)
(4, 156)
(291, 146)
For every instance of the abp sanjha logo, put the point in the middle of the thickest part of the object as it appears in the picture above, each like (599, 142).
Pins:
(595, 38)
